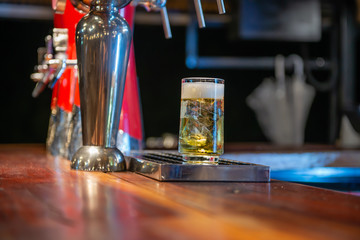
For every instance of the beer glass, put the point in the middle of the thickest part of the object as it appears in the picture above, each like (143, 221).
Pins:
(201, 134)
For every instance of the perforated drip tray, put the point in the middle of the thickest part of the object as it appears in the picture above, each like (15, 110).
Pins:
(170, 166)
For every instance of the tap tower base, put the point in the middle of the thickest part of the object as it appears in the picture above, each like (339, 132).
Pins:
(97, 158)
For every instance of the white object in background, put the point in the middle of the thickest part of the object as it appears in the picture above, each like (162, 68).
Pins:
(282, 105)
(349, 138)
(302, 97)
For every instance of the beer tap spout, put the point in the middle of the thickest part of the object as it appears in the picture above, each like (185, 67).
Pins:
(199, 13)
(42, 72)
(221, 6)
(51, 69)
(157, 5)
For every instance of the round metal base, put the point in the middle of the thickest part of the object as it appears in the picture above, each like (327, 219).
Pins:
(96, 158)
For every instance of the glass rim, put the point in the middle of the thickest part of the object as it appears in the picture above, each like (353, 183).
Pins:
(202, 79)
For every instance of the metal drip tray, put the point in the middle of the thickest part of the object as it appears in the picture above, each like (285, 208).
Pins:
(170, 166)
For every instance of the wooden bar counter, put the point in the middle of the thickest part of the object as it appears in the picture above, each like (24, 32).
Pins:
(41, 198)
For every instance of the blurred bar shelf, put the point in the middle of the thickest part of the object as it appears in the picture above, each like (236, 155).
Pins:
(26, 11)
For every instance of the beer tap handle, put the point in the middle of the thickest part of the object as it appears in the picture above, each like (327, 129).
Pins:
(43, 73)
(157, 5)
(58, 72)
(49, 45)
(42, 53)
(199, 13)
(52, 74)
(221, 6)
(47, 76)
(60, 41)
(165, 22)
(52, 69)
(58, 67)
(41, 68)
(40, 85)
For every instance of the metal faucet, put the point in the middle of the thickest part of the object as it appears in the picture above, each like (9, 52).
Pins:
(50, 69)
(200, 14)
(42, 72)
(157, 5)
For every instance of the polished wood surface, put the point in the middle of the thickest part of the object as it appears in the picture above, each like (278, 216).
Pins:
(41, 198)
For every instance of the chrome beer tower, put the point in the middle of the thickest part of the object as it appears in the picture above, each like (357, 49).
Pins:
(59, 70)
(103, 40)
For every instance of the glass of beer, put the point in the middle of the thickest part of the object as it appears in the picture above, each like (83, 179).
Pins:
(201, 134)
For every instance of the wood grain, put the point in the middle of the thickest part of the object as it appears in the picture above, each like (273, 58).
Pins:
(41, 198)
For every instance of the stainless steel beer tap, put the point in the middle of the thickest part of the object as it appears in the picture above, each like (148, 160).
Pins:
(42, 77)
(49, 71)
(61, 61)
(103, 40)
(160, 5)
(51, 68)
(157, 5)
(57, 67)
(42, 72)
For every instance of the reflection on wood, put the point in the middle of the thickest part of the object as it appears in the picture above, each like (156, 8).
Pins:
(41, 198)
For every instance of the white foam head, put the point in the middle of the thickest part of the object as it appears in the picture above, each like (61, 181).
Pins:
(202, 90)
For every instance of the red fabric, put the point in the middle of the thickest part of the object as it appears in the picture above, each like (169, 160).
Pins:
(130, 117)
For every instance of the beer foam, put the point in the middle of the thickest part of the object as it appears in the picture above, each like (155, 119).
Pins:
(202, 90)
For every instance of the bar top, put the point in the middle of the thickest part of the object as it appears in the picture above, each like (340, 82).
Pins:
(41, 198)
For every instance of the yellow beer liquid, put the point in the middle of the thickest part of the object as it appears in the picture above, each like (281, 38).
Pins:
(201, 126)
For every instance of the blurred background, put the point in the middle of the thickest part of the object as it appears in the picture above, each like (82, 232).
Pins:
(240, 47)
